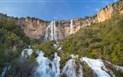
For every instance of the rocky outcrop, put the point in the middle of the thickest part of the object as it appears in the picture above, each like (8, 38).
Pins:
(110, 10)
(105, 14)
(121, 11)
(43, 30)
(33, 28)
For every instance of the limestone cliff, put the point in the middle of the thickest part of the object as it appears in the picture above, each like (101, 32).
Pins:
(44, 30)
(33, 28)
(109, 11)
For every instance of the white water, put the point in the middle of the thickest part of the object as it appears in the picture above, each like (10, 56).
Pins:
(5, 69)
(27, 52)
(118, 68)
(46, 67)
(80, 72)
(4, 72)
(46, 34)
(97, 66)
(70, 68)
(71, 27)
(56, 61)
(51, 68)
(53, 31)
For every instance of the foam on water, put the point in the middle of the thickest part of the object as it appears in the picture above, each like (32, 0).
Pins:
(118, 68)
(46, 67)
(97, 66)
(51, 68)
(70, 68)
(27, 52)
(80, 72)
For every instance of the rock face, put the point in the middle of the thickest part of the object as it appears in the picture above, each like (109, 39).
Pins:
(105, 14)
(43, 30)
(33, 28)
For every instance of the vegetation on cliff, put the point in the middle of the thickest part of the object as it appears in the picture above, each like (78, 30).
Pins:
(101, 40)
(12, 41)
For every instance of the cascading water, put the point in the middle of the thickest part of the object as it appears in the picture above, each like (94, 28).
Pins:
(70, 68)
(118, 68)
(97, 66)
(80, 72)
(43, 70)
(51, 68)
(46, 67)
(27, 52)
(46, 34)
(53, 32)
(56, 61)
(71, 27)
(5, 69)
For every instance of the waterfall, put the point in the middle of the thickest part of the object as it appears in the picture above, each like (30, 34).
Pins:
(80, 72)
(56, 61)
(53, 31)
(46, 34)
(51, 68)
(5, 70)
(27, 52)
(70, 68)
(43, 70)
(71, 27)
(46, 67)
(118, 68)
(97, 66)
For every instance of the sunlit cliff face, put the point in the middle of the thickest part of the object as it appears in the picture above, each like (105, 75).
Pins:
(37, 29)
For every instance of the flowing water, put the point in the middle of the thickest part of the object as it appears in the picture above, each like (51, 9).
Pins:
(118, 68)
(72, 68)
(46, 67)
(97, 66)
(51, 68)
(5, 70)
(53, 31)
(71, 27)
(27, 52)
(80, 72)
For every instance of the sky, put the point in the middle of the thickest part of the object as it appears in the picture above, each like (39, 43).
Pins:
(52, 9)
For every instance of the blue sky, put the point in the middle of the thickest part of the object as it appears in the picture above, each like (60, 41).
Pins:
(52, 9)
